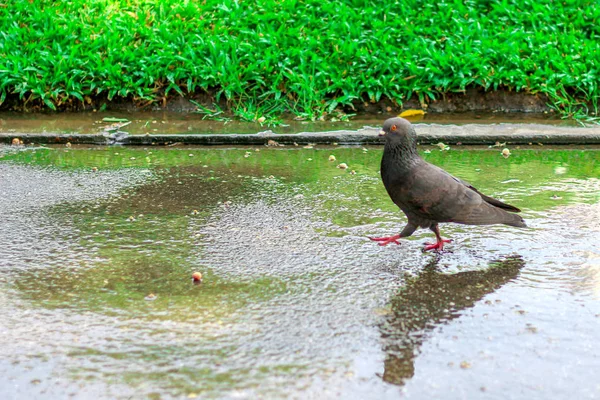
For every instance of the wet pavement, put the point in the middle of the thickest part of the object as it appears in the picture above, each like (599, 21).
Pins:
(139, 123)
(99, 244)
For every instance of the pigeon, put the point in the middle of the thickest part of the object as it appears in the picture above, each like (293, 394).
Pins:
(429, 195)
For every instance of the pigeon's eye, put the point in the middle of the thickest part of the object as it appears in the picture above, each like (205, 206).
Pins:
(394, 127)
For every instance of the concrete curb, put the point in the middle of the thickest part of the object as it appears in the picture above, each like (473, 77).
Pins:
(470, 134)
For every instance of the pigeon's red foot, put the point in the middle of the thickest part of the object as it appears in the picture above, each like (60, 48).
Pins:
(438, 246)
(386, 240)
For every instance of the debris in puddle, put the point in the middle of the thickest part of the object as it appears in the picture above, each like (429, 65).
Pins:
(342, 166)
(197, 277)
(560, 170)
(505, 153)
(465, 365)
(150, 297)
(332, 158)
(113, 119)
(531, 328)
(443, 146)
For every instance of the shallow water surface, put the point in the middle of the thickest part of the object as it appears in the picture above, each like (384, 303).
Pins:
(99, 244)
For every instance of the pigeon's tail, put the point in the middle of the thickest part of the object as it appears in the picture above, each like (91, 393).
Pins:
(487, 214)
(515, 220)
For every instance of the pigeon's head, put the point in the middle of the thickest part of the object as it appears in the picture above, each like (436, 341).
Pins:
(399, 132)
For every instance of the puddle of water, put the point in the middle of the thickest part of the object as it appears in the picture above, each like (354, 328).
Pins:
(181, 123)
(99, 244)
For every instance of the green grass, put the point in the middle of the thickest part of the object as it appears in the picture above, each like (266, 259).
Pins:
(309, 57)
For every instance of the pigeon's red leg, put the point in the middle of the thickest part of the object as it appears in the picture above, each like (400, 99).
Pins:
(386, 240)
(439, 245)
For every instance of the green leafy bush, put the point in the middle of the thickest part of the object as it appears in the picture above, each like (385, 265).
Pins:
(307, 57)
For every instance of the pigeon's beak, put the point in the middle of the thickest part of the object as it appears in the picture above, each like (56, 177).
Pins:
(381, 133)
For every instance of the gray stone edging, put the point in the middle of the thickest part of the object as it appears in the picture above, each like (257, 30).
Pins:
(469, 134)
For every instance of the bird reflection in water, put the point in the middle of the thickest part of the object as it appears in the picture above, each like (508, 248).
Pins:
(430, 299)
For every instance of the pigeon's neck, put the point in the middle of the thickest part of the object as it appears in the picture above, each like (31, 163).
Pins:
(403, 153)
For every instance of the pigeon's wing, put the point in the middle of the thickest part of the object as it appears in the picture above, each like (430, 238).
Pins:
(437, 195)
